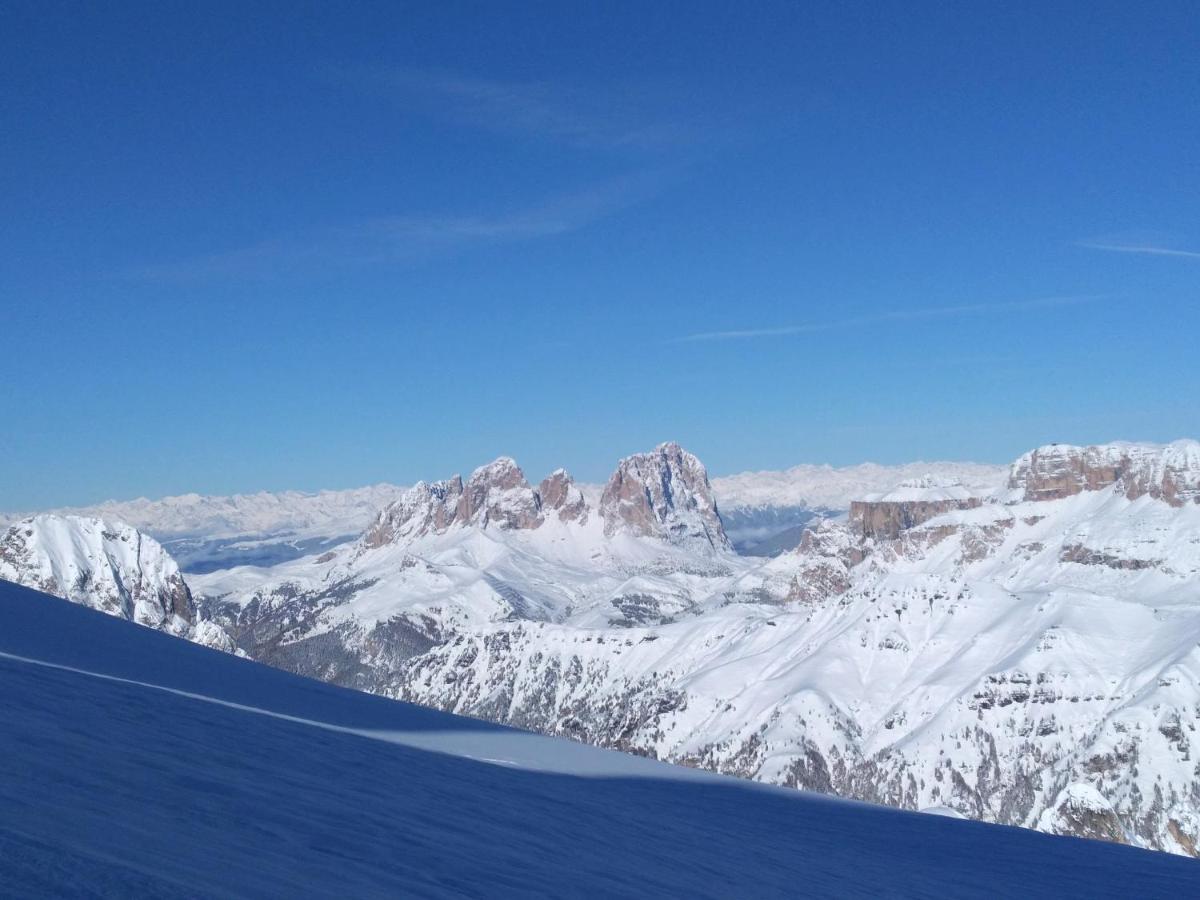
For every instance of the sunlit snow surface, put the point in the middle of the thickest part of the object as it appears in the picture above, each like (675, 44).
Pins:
(182, 771)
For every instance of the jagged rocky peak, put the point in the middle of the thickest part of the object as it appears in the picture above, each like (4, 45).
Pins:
(497, 495)
(425, 508)
(910, 503)
(664, 494)
(1167, 472)
(560, 495)
(107, 566)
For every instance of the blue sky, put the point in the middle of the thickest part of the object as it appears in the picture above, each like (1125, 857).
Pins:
(318, 245)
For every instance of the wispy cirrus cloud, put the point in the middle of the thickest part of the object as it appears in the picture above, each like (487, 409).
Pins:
(1147, 249)
(899, 315)
(608, 117)
(408, 238)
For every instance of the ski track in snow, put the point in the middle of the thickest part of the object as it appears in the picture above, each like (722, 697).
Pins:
(523, 750)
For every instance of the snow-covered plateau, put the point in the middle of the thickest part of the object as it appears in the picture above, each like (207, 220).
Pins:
(1022, 649)
(136, 764)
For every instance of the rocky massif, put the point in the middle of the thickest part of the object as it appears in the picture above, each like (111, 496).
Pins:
(663, 494)
(1169, 473)
(1021, 651)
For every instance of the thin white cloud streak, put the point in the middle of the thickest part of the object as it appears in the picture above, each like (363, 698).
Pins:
(402, 239)
(900, 315)
(585, 118)
(1135, 248)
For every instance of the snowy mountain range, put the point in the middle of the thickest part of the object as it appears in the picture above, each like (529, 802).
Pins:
(206, 533)
(1021, 650)
(139, 765)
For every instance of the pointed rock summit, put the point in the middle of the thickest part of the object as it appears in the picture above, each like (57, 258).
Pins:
(561, 496)
(497, 495)
(663, 494)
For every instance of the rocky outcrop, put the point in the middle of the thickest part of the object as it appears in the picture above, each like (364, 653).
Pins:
(561, 496)
(827, 553)
(886, 516)
(497, 495)
(1082, 811)
(423, 509)
(1170, 472)
(663, 494)
(109, 567)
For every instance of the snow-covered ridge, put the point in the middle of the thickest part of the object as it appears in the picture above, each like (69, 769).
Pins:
(205, 529)
(334, 512)
(110, 567)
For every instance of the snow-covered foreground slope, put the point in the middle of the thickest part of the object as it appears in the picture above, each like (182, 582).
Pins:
(135, 763)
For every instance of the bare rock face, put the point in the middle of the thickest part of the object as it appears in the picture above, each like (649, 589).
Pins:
(886, 516)
(561, 496)
(423, 509)
(1170, 473)
(663, 494)
(497, 495)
